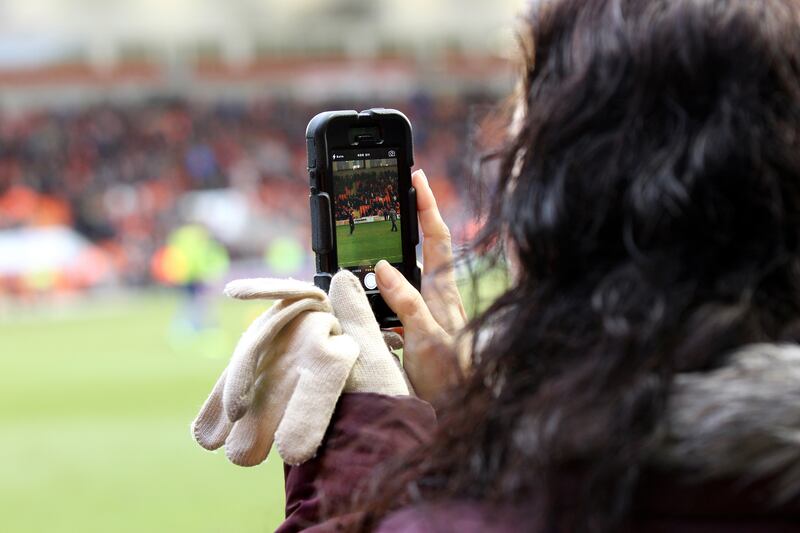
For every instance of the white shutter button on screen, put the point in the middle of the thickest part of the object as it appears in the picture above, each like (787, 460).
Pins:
(369, 281)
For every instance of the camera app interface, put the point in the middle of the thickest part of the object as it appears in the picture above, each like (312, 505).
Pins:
(367, 210)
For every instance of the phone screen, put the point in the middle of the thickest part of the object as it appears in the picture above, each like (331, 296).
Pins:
(366, 210)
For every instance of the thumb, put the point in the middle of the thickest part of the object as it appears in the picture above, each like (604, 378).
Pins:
(405, 300)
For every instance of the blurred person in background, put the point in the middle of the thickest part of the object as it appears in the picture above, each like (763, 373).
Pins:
(191, 260)
(117, 172)
(642, 372)
(124, 122)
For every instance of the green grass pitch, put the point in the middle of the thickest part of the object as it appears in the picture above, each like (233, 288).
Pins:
(369, 243)
(95, 408)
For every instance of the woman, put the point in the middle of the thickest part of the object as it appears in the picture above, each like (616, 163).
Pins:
(639, 374)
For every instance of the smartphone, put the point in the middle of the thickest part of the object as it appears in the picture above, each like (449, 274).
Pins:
(363, 207)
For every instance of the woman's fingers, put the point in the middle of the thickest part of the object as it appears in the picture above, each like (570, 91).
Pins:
(427, 345)
(403, 298)
(444, 302)
(439, 283)
(437, 248)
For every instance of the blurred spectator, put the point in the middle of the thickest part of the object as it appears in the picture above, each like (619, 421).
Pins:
(115, 173)
(190, 260)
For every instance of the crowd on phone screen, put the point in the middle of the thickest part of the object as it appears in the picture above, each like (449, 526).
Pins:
(114, 172)
(367, 194)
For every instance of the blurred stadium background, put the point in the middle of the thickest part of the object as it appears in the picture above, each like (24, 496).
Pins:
(150, 151)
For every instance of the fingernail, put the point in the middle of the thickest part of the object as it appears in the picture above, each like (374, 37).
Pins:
(422, 174)
(388, 276)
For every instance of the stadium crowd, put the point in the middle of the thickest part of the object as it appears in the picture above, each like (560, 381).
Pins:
(366, 194)
(115, 172)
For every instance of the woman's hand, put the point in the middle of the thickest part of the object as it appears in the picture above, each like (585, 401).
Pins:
(433, 319)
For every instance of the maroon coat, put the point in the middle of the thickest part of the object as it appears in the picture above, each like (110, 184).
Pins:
(368, 428)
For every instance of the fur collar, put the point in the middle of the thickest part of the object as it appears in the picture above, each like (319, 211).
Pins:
(741, 420)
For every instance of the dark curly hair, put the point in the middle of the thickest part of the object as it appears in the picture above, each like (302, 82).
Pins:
(650, 193)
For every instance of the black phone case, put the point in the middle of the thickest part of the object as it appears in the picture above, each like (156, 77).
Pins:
(319, 140)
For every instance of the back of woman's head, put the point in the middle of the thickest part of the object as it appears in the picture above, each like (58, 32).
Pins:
(658, 134)
(650, 194)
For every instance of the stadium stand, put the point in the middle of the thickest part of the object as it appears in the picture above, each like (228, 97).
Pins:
(116, 172)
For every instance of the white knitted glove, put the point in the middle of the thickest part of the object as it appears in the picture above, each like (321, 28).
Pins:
(290, 367)
(376, 369)
(283, 380)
